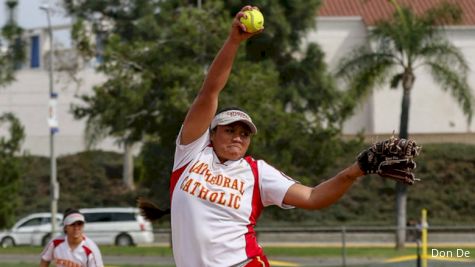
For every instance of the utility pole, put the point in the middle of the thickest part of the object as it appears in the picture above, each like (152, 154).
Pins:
(53, 127)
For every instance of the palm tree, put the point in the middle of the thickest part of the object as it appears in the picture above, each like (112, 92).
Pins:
(402, 44)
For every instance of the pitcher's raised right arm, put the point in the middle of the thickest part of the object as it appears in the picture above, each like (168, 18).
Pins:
(203, 109)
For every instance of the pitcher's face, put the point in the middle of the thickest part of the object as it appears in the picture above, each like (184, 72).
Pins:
(230, 142)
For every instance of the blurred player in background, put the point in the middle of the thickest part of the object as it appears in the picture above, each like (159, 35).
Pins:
(73, 249)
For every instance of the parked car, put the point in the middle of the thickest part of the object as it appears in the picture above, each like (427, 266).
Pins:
(33, 229)
(106, 226)
(119, 226)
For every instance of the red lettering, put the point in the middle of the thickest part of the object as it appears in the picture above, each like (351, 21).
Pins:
(221, 200)
(241, 190)
(187, 185)
(205, 169)
(226, 182)
(194, 188)
(184, 181)
(237, 202)
(203, 192)
(235, 185)
(219, 180)
(207, 175)
(230, 202)
(196, 167)
(213, 197)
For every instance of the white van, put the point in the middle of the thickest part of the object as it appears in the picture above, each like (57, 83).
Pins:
(119, 226)
(106, 226)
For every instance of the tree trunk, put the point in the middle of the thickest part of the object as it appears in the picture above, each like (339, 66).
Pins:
(401, 189)
(401, 204)
(128, 170)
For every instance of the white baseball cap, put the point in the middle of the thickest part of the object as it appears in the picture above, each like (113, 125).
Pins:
(233, 115)
(72, 218)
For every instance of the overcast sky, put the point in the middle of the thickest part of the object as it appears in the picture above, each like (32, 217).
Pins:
(30, 16)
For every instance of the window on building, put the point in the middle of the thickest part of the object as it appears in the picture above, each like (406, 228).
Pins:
(35, 52)
(99, 48)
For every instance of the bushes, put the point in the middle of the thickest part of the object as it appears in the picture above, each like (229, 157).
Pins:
(87, 179)
(92, 179)
(10, 168)
(446, 190)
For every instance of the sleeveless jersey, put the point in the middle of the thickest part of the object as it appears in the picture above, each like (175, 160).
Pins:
(214, 206)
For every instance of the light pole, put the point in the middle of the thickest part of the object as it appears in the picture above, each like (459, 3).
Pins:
(53, 127)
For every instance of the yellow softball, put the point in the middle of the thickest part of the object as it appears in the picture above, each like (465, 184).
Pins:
(253, 20)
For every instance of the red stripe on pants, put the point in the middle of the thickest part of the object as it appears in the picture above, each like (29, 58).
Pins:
(259, 261)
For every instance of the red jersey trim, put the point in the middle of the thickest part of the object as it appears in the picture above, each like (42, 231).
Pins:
(174, 179)
(87, 250)
(252, 247)
(57, 242)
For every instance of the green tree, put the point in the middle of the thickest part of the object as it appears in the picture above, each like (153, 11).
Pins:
(10, 169)
(156, 53)
(147, 62)
(11, 47)
(402, 44)
(11, 55)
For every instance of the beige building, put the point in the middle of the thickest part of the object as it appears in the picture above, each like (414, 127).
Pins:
(341, 26)
(29, 99)
(435, 116)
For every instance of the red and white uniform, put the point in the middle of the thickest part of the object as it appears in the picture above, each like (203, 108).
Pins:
(86, 254)
(214, 206)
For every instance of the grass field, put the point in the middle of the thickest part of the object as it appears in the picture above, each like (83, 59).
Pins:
(379, 252)
(298, 252)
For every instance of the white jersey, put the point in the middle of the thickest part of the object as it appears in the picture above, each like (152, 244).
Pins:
(214, 206)
(86, 254)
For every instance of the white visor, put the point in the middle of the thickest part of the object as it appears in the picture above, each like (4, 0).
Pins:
(72, 218)
(234, 115)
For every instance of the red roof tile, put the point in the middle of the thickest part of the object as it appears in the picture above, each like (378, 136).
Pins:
(372, 11)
